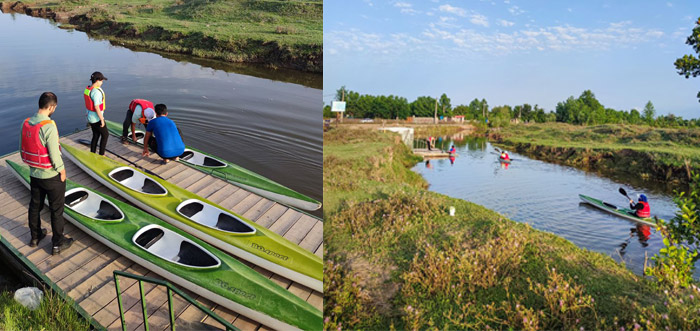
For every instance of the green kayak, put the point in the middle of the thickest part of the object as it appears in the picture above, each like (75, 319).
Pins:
(182, 259)
(204, 219)
(615, 210)
(234, 174)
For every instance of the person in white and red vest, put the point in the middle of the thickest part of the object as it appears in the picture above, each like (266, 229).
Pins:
(140, 111)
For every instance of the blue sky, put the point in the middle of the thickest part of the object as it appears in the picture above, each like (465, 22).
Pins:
(513, 52)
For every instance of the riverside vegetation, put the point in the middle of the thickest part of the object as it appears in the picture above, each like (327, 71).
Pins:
(52, 314)
(395, 259)
(277, 33)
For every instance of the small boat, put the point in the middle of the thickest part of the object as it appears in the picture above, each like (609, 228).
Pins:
(233, 173)
(615, 210)
(182, 258)
(504, 160)
(204, 219)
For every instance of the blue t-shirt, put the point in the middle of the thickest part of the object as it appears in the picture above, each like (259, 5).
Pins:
(169, 141)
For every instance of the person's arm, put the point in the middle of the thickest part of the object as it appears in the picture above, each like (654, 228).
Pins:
(145, 143)
(51, 143)
(97, 98)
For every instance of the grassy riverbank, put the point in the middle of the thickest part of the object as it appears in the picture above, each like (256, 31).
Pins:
(52, 314)
(285, 34)
(396, 259)
(665, 155)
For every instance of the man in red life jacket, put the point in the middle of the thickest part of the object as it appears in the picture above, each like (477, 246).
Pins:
(140, 112)
(452, 150)
(505, 156)
(642, 207)
(39, 148)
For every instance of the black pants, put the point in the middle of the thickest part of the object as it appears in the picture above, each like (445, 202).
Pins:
(127, 123)
(97, 133)
(55, 190)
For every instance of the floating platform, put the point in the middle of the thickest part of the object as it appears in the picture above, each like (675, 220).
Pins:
(434, 154)
(84, 272)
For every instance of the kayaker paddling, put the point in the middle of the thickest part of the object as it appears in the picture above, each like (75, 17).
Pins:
(140, 111)
(169, 144)
(505, 156)
(40, 150)
(641, 208)
(452, 150)
(95, 102)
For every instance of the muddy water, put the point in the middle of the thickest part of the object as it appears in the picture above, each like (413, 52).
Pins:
(545, 196)
(251, 116)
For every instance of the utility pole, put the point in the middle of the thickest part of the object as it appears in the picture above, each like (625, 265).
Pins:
(339, 115)
(483, 110)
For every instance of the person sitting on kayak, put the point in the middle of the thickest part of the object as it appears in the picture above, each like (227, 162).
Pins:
(140, 112)
(453, 150)
(169, 145)
(504, 155)
(641, 208)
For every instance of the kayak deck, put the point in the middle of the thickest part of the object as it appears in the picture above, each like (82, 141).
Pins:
(84, 272)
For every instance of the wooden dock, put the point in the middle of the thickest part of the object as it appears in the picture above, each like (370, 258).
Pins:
(434, 153)
(84, 272)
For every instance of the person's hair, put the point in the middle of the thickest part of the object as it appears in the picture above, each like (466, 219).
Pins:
(47, 99)
(161, 109)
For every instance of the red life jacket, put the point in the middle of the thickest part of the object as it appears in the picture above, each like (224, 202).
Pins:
(144, 104)
(644, 212)
(33, 152)
(88, 101)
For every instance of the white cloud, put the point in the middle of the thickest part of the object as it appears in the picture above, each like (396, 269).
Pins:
(406, 8)
(669, 4)
(569, 10)
(369, 3)
(453, 10)
(515, 10)
(505, 23)
(479, 20)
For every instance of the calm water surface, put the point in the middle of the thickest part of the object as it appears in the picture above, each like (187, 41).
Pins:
(267, 125)
(545, 196)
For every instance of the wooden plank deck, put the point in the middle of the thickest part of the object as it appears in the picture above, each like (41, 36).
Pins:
(84, 271)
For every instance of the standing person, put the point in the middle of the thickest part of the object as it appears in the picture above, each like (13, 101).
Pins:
(169, 144)
(140, 111)
(40, 150)
(95, 103)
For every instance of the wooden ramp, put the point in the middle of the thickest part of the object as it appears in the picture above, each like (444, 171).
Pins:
(435, 153)
(84, 272)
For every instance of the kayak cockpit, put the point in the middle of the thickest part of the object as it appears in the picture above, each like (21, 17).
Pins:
(137, 181)
(139, 136)
(173, 247)
(200, 159)
(92, 205)
(213, 217)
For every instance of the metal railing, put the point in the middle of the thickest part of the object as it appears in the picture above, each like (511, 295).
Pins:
(171, 289)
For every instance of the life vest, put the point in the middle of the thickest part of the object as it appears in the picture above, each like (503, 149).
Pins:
(505, 156)
(644, 212)
(88, 101)
(144, 104)
(33, 152)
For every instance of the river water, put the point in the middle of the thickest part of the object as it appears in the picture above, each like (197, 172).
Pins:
(545, 196)
(268, 123)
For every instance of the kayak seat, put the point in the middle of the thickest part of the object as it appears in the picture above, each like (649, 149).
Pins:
(193, 256)
(139, 135)
(231, 224)
(150, 187)
(107, 212)
(75, 198)
(191, 209)
(211, 162)
(150, 237)
(186, 155)
(123, 175)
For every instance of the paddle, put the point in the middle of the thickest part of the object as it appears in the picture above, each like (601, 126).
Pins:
(87, 142)
(623, 192)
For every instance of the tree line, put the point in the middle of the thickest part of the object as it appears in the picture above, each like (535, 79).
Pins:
(584, 110)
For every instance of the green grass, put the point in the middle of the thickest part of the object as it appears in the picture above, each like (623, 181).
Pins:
(279, 33)
(52, 314)
(653, 153)
(396, 259)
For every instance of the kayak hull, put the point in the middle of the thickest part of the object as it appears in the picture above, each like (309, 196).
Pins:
(241, 177)
(263, 248)
(617, 211)
(252, 294)
(504, 161)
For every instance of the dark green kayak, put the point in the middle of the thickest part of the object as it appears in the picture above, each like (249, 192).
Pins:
(234, 174)
(182, 258)
(615, 210)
